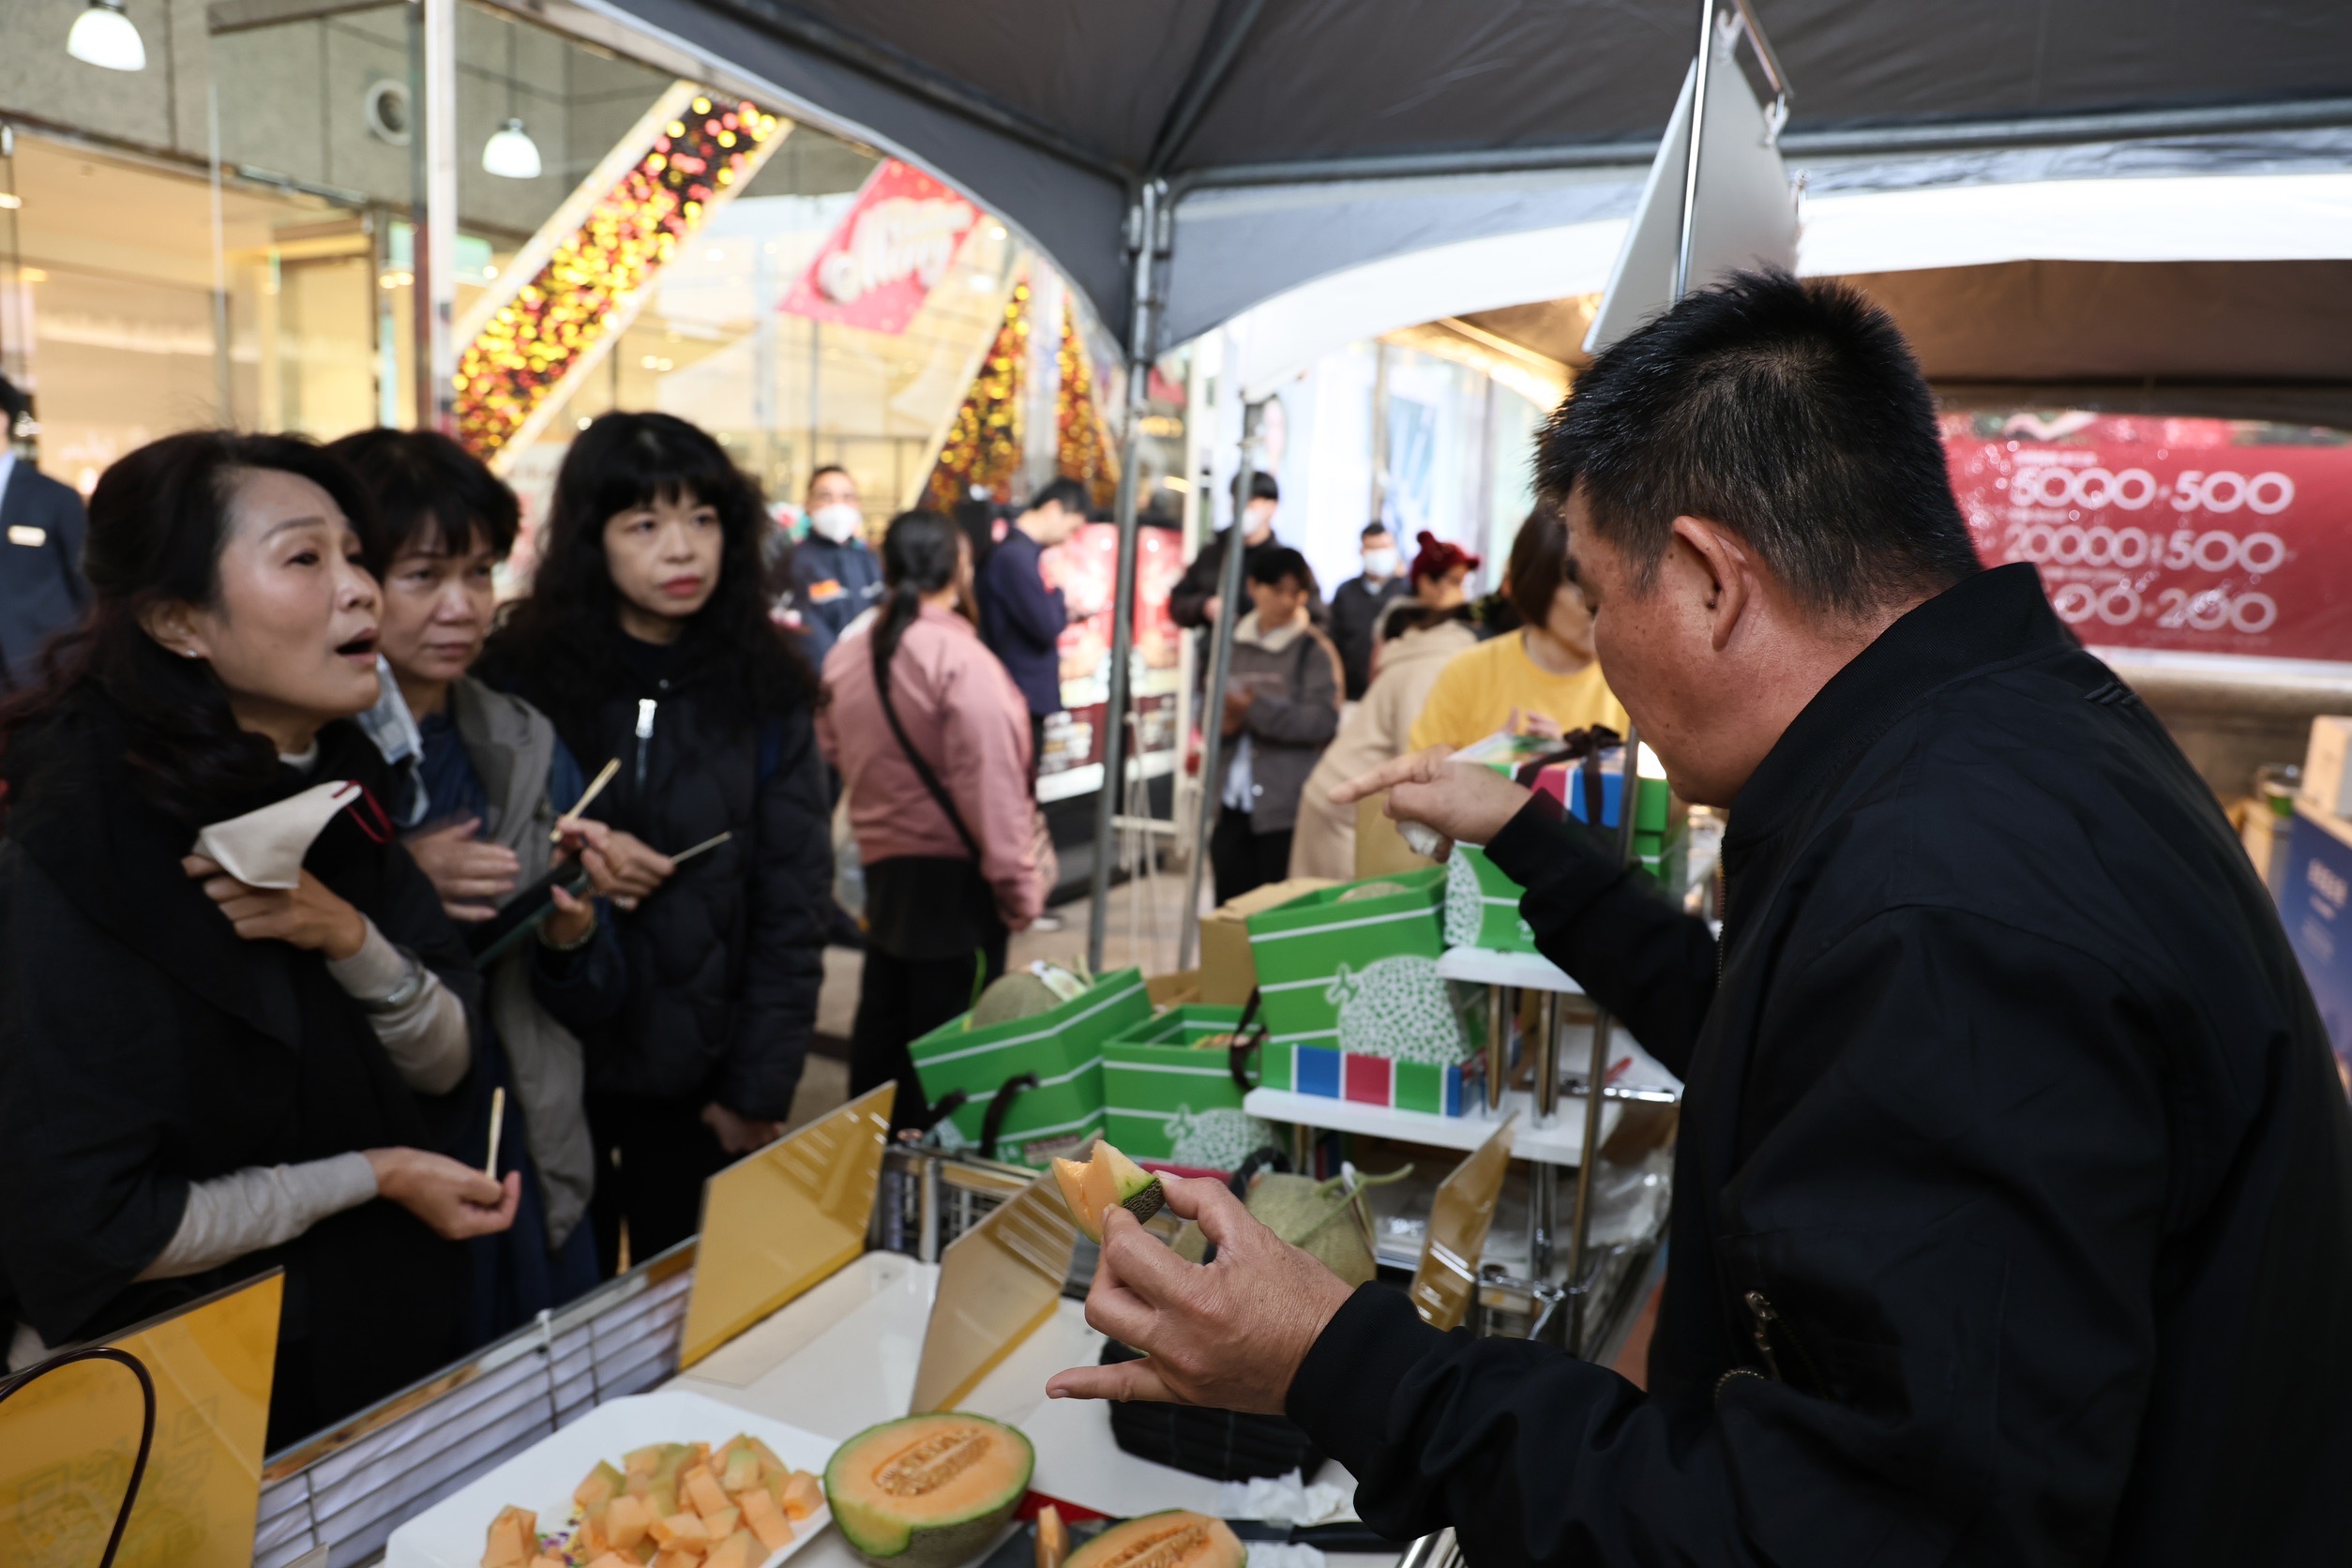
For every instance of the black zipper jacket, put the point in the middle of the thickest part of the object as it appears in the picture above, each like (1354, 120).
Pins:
(2013, 1217)
(725, 957)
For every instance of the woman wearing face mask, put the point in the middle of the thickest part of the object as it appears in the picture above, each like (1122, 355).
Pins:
(834, 577)
(646, 638)
(496, 781)
(199, 1079)
(937, 784)
(1541, 679)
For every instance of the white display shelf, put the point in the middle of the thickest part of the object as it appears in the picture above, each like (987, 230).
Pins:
(1486, 966)
(1562, 1144)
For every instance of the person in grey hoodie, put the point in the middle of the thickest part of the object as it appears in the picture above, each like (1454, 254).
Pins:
(1280, 710)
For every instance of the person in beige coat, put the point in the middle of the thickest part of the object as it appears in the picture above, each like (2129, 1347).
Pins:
(1323, 844)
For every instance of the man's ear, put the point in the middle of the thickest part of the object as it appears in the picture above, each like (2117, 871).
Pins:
(1721, 560)
(172, 625)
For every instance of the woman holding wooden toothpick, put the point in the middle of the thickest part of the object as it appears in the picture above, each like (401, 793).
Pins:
(646, 638)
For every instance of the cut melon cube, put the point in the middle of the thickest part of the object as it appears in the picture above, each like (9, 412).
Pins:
(740, 1549)
(614, 1560)
(603, 1485)
(514, 1538)
(681, 1530)
(723, 1523)
(765, 1519)
(626, 1522)
(699, 1490)
(676, 1560)
(545, 1562)
(588, 1540)
(802, 1495)
(769, 1463)
(742, 1471)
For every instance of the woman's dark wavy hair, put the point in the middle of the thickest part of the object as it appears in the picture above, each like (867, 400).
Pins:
(921, 553)
(562, 643)
(157, 521)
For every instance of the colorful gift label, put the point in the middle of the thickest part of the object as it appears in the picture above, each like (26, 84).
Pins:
(1375, 1081)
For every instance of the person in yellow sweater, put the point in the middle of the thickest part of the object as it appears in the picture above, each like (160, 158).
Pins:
(1541, 679)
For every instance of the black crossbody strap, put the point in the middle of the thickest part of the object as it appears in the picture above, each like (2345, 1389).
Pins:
(923, 769)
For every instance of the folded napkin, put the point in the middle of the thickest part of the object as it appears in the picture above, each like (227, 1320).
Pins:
(264, 848)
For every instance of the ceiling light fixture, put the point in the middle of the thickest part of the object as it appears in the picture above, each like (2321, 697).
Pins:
(510, 154)
(102, 36)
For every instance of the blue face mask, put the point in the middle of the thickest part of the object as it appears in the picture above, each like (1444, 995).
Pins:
(1381, 563)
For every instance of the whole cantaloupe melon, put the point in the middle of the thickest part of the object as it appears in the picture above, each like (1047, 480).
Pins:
(1024, 993)
(927, 1491)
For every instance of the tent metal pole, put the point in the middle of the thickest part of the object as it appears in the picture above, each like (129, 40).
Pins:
(1213, 700)
(1145, 226)
(1698, 126)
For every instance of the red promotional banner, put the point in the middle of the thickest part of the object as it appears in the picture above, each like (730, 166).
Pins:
(2206, 536)
(892, 249)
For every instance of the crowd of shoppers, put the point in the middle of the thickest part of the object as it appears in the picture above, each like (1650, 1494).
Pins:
(575, 853)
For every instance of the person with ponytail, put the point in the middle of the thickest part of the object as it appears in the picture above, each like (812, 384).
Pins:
(201, 1078)
(646, 639)
(932, 740)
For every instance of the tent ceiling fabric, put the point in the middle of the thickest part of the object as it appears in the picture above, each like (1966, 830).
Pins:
(1049, 111)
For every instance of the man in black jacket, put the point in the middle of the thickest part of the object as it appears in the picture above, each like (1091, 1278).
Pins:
(1357, 605)
(2013, 1195)
(1021, 619)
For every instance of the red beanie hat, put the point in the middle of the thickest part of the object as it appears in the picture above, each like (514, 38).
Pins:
(1439, 557)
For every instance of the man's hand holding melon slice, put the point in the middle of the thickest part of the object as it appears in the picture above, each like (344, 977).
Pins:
(1230, 1333)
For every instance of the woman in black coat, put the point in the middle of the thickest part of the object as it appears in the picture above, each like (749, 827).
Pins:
(200, 1078)
(646, 638)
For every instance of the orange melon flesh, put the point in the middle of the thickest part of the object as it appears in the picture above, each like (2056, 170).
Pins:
(1176, 1538)
(1106, 1181)
(927, 1491)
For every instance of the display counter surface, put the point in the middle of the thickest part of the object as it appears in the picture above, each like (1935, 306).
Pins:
(843, 1357)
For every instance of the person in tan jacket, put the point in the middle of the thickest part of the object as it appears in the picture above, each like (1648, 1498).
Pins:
(1324, 842)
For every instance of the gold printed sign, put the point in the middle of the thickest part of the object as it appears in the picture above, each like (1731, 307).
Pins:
(68, 1440)
(779, 1221)
(997, 1283)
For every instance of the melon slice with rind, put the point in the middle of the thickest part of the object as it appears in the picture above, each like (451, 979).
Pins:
(927, 1491)
(1173, 1538)
(1106, 1181)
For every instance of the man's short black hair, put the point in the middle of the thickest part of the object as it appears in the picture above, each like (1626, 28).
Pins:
(1270, 566)
(431, 494)
(1261, 486)
(1374, 526)
(1791, 413)
(1066, 492)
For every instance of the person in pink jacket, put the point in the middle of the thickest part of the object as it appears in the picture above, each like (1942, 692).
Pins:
(932, 743)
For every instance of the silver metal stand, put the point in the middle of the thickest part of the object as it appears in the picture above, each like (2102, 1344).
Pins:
(1147, 240)
(1212, 698)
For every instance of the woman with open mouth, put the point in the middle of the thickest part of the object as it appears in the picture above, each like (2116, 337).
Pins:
(201, 1078)
(646, 638)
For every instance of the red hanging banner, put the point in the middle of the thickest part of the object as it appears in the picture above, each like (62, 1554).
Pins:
(892, 249)
(2204, 535)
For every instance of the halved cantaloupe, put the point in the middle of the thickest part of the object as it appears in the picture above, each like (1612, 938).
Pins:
(1106, 1181)
(1176, 1538)
(927, 1491)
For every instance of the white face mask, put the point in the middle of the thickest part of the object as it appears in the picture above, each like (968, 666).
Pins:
(838, 523)
(1381, 563)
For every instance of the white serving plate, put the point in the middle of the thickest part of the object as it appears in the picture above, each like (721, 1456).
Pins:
(452, 1532)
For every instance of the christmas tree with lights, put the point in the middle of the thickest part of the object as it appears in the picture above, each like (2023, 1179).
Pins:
(982, 447)
(1082, 448)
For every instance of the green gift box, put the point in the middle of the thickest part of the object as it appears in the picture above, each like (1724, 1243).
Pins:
(1063, 1047)
(1358, 976)
(1482, 905)
(1170, 1099)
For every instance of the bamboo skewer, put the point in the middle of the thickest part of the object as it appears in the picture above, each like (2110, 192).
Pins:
(498, 1123)
(593, 790)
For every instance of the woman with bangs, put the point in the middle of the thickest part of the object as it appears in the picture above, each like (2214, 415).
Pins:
(646, 638)
(201, 1078)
